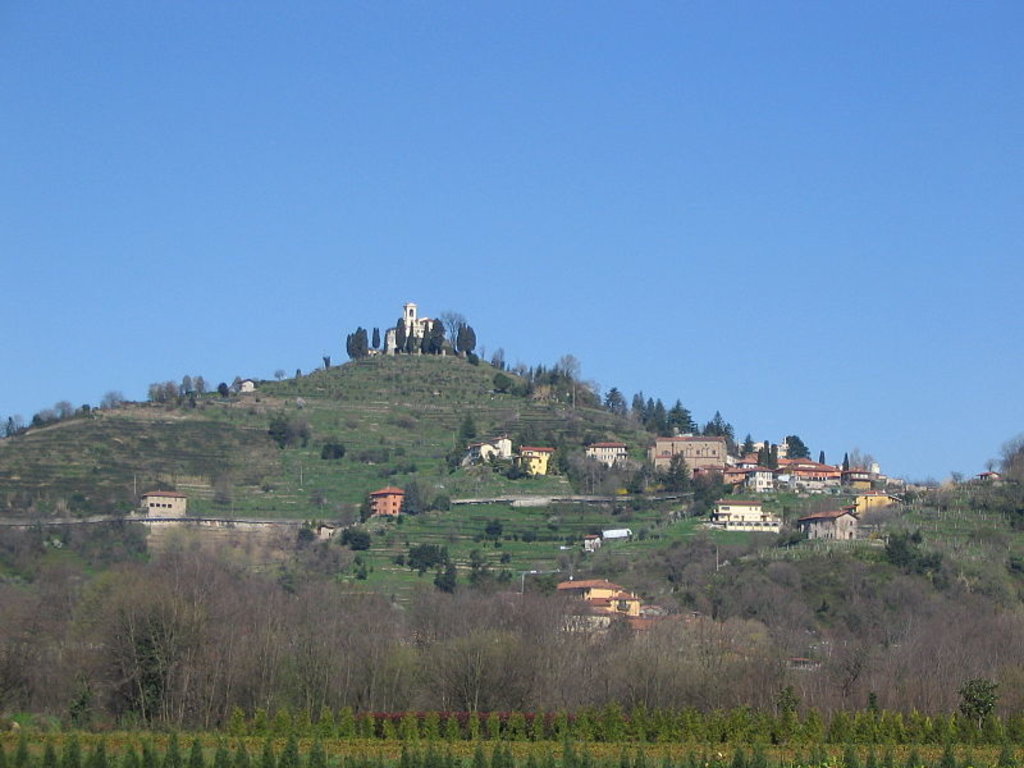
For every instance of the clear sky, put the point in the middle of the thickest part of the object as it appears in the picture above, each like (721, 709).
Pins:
(805, 215)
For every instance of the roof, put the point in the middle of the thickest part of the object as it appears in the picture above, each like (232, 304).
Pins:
(739, 503)
(389, 491)
(535, 449)
(690, 438)
(831, 514)
(170, 494)
(589, 584)
(607, 445)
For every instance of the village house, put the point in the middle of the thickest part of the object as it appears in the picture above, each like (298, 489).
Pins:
(750, 478)
(246, 386)
(164, 504)
(807, 475)
(591, 542)
(868, 500)
(608, 454)
(745, 516)
(858, 478)
(387, 502)
(498, 448)
(534, 460)
(698, 452)
(602, 596)
(838, 524)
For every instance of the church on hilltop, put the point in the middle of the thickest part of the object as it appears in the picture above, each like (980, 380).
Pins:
(412, 327)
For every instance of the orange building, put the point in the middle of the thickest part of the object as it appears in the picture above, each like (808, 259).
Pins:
(387, 502)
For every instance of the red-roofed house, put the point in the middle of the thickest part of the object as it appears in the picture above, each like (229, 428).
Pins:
(387, 502)
(840, 524)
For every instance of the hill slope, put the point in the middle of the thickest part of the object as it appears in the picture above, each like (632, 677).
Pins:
(398, 418)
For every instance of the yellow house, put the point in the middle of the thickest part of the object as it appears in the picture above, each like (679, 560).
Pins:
(603, 596)
(864, 502)
(534, 460)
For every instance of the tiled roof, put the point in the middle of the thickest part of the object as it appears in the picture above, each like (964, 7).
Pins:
(831, 514)
(170, 494)
(607, 445)
(536, 449)
(389, 491)
(589, 584)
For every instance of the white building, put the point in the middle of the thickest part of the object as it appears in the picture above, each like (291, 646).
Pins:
(745, 516)
(608, 454)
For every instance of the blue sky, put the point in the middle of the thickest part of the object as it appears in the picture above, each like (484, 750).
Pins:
(804, 215)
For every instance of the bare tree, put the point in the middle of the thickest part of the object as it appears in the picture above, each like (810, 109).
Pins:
(452, 321)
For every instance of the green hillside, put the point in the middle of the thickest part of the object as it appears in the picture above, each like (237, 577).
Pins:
(397, 417)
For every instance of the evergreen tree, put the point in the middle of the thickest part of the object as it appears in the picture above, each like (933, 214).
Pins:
(748, 445)
(172, 757)
(679, 420)
(435, 338)
(290, 754)
(821, 457)
(221, 757)
(148, 756)
(268, 759)
(615, 402)
(445, 580)
(317, 756)
(21, 758)
(795, 448)
(241, 756)
(195, 755)
(846, 462)
(98, 756)
(400, 335)
(375, 343)
(49, 756)
(465, 340)
(677, 478)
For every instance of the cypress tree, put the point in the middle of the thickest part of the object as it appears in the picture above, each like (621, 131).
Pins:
(317, 756)
(221, 757)
(452, 731)
(195, 755)
(948, 759)
(98, 756)
(172, 757)
(21, 758)
(241, 757)
(479, 758)
(72, 756)
(49, 756)
(148, 756)
(290, 754)
(268, 759)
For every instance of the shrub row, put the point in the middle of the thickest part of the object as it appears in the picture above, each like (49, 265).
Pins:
(612, 724)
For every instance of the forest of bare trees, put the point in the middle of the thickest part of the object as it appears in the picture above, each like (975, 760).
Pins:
(186, 638)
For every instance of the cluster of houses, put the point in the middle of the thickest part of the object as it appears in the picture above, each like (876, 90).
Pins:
(707, 453)
(837, 524)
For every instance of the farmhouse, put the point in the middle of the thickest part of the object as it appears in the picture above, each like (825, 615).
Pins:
(602, 596)
(839, 524)
(387, 502)
(608, 454)
(164, 504)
